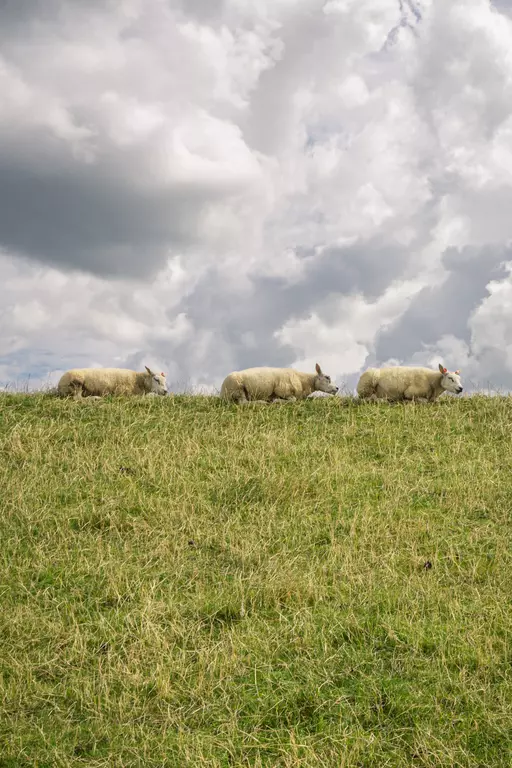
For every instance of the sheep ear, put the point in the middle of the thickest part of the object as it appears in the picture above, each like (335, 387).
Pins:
(149, 370)
(318, 369)
(442, 369)
(457, 372)
(162, 374)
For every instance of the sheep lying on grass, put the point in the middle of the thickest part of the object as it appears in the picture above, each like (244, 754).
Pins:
(407, 383)
(274, 385)
(97, 382)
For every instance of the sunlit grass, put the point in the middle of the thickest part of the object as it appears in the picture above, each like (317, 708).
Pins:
(186, 583)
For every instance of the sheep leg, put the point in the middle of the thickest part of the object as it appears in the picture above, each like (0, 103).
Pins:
(84, 395)
(242, 398)
(76, 389)
(411, 393)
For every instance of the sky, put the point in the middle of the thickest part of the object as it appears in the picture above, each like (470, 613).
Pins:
(207, 185)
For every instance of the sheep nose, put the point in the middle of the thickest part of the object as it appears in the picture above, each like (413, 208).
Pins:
(461, 389)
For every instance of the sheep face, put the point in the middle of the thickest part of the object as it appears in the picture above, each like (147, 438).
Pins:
(323, 383)
(451, 381)
(157, 382)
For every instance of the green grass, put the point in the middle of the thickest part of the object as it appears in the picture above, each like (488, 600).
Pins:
(186, 583)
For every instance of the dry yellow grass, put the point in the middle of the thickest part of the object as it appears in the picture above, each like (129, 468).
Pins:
(185, 583)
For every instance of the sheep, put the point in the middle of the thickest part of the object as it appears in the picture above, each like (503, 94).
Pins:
(274, 385)
(407, 383)
(96, 382)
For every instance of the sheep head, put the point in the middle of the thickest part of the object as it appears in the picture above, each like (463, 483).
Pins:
(323, 383)
(157, 382)
(450, 381)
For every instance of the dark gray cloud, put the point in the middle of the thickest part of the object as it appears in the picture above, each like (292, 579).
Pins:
(245, 322)
(86, 218)
(206, 11)
(502, 5)
(109, 165)
(446, 309)
(14, 15)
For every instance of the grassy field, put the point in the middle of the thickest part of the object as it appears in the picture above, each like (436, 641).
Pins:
(185, 583)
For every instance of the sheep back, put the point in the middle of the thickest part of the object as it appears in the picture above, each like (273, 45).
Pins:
(103, 381)
(393, 383)
(265, 383)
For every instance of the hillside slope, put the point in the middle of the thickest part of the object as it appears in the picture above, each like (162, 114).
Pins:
(317, 584)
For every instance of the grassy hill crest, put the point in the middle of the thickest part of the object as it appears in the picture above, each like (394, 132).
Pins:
(324, 583)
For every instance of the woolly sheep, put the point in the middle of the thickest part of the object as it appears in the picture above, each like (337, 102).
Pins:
(407, 383)
(96, 382)
(274, 385)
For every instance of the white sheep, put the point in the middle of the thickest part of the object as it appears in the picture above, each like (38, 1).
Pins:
(274, 385)
(97, 382)
(407, 383)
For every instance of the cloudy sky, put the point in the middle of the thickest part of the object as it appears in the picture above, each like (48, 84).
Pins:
(205, 185)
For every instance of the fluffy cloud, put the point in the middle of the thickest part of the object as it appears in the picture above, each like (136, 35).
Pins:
(204, 185)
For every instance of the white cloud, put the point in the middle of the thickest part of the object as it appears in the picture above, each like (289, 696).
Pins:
(208, 185)
(343, 343)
